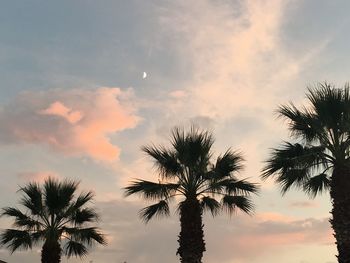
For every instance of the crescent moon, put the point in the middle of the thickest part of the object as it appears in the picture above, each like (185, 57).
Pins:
(144, 75)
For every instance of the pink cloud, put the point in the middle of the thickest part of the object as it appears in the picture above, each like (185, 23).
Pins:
(59, 109)
(74, 122)
(265, 233)
(274, 217)
(178, 94)
(279, 239)
(38, 177)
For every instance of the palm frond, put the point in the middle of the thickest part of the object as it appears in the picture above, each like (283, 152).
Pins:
(294, 156)
(85, 215)
(330, 104)
(38, 236)
(67, 188)
(239, 187)
(51, 193)
(16, 239)
(151, 190)
(317, 185)
(232, 203)
(165, 161)
(159, 209)
(192, 148)
(74, 248)
(83, 199)
(210, 204)
(86, 236)
(20, 219)
(33, 198)
(58, 194)
(227, 164)
(292, 177)
(74, 206)
(301, 124)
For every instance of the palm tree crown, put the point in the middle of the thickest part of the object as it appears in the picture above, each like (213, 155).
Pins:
(53, 215)
(318, 159)
(186, 170)
(322, 131)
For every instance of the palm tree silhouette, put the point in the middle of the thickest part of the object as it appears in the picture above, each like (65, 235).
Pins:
(317, 160)
(53, 216)
(186, 171)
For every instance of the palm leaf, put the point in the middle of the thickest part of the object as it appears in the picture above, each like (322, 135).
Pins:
(83, 199)
(236, 187)
(165, 161)
(151, 190)
(20, 219)
(292, 177)
(294, 156)
(74, 248)
(232, 203)
(159, 209)
(192, 148)
(58, 195)
(85, 215)
(16, 239)
(86, 235)
(33, 198)
(300, 123)
(317, 184)
(226, 164)
(210, 204)
(76, 205)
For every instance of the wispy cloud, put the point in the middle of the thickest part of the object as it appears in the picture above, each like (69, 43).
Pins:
(240, 68)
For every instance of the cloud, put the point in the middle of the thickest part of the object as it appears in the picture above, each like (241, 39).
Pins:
(237, 55)
(240, 69)
(240, 239)
(38, 177)
(235, 52)
(59, 109)
(302, 204)
(248, 239)
(73, 122)
(177, 94)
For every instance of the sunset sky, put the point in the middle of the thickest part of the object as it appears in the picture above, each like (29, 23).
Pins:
(74, 104)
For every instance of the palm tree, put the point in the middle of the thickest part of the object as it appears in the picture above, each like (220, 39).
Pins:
(186, 171)
(317, 160)
(53, 216)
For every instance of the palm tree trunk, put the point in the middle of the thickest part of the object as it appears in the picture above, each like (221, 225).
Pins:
(51, 252)
(191, 238)
(340, 221)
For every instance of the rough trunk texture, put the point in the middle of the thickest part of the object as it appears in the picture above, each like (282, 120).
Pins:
(340, 194)
(51, 252)
(191, 238)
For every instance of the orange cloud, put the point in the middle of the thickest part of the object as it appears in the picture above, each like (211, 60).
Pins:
(278, 239)
(274, 217)
(59, 109)
(38, 177)
(74, 122)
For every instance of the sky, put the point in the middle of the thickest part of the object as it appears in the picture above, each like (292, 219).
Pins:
(74, 104)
